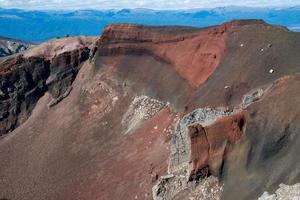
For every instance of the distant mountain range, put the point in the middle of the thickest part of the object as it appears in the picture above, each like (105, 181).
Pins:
(38, 26)
(10, 46)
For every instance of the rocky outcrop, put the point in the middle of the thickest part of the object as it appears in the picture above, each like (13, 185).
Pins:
(283, 192)
(21, 85)
(219, 139)
(10, 46)
(23, 80)
(176, 187)
(199, 148)
(189, 131)
(203, 141)
(64, 68)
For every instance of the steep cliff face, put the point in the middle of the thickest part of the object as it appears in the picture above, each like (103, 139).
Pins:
(156, 112)
(21, 87)
(10, 46)
(24, 79)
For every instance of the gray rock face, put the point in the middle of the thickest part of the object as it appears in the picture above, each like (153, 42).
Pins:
(169, 186)
(284, 192)
(181, 145)
(176, 187)
(178, 182)
(10, 46)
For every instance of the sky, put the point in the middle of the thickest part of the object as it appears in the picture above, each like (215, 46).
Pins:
(151, 4)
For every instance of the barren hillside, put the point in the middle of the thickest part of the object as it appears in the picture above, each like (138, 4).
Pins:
(153, 112)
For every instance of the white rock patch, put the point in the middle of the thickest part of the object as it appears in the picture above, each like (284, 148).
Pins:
(284, 192)
(208, 189)
(172, 186)
(140, 109)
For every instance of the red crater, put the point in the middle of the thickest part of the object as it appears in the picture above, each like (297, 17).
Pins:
(196, 58)
(194, 53)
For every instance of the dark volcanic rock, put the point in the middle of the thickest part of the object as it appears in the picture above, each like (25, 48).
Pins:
(64, 69)
(22, 83)
(23, 80)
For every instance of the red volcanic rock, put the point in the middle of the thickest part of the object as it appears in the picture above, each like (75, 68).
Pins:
(222, 137)
(196, 57)
(194, 53)
(211, 144)
(199, 149)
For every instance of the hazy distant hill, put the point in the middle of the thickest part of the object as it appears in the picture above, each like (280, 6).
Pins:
(10, 46)
(39, 26)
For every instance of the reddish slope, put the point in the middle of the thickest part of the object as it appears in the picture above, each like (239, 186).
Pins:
(194, 53)
(81, 156)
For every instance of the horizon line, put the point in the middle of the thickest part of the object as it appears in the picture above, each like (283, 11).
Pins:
(150, 9)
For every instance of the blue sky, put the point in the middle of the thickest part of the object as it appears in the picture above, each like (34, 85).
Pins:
(152, 4)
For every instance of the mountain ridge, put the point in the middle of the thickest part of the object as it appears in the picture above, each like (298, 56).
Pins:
(45, 25)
